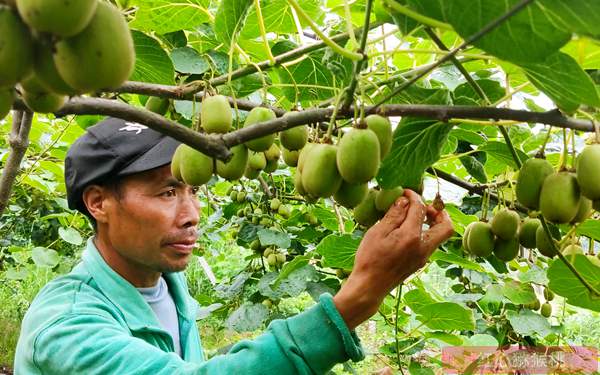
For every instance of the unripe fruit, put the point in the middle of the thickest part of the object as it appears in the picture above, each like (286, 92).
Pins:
(265, 221)
(290, 157)
(258, 211)
(320, 176)
(548, 294)
(233, 195)
(46, 73)
(527, 232)
(506, 250)
(303, 154)
(535, 305)
(158, 105)
(294, 138)
(366, 213)
(465, 238)
(7, 97)
(256, 115)
(542, 241)
(311, 218)
(382, 127)
(298, 183)
(274, 204)
(583, 211)
(240, 196)
(273, 153)
(358, 156)
(257, 160)
(350, 195)
(570, 251)
(255, 245)
(271, 166)
(272, 260)
(285, 211)
(529, 184)
(196, 167)
(101, 56)
(386, 198)
(280, 258)
(235, 167)
(559, 197)
(588, 171)
(505, 224)
(16, 48)
(176, 163)
(43, 102)
(481, 239)
(267, 303)
(59, 17)
(546, 310)
(251, 173)
(215, 114)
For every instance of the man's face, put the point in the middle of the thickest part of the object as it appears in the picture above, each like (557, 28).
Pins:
(152, 223)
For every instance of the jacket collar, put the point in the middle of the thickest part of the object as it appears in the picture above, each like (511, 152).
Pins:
(136, 312)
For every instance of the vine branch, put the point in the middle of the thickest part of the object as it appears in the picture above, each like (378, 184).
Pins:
(18, 141)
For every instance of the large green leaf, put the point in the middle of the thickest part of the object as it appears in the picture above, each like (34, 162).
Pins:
(579, 16)
(188, 61)
(248, 317)
(563, 80)
(416, 146)
(530, 35)
(338, 250)
(269, 237)
(519, 293)
(589, 228)
(165, 16)
(417, 299)
(230, 18)
(456, 259)
(528, 323)
(278, 17)
(44, 257)
(70, 235)
(446, 316)
(564, 283)
(152, 64)
(500, 151)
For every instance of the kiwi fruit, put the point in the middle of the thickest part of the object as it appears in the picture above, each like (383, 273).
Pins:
(257, 160)
(240, 197)
(530, 180)
(481, 239)
(235, 167)
(274, 204)
(350, 195)
(158, 105)
(176, 163)
(548, 294)
(63, 18)
(295, 138)
(284, 210)
(46, 102)
(46, 73)
(387, 197)
(303, 153)
(559, 197)
(196, 168)
(99, 57)
(506, 250)
(251, 173)
(382, 127)
(290, 157)
(358, 156)
(528, 231)
(583, 211)
(542, 241)
(16, 48)
(298, 183)
(257, 115)
(7, 97)
(366, 213)
(465, 237)
(320, 176)
(271, 166)
(215, 114)
(273, 153)
(588, 171)
(546, 310)
(505, 224)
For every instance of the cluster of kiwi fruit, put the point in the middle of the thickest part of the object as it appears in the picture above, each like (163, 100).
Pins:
(343, 171)
(51, 49)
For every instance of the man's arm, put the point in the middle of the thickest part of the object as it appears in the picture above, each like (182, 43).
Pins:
(390, 251)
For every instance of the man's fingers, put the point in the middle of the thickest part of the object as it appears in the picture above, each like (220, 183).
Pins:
(413, 223)
(440, 230)
(395, 216)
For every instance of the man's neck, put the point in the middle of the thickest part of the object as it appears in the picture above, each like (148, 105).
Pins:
(137, 274)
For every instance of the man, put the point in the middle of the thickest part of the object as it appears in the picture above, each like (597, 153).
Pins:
(125, 309)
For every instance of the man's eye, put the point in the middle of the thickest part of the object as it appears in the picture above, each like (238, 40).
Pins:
(169, 193)
(195, 189)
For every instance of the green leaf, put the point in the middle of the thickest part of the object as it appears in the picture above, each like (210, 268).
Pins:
(326, 217)
(70, 235)
(492, 90)
(534, 275)
(165, 16)
(152, 64)
(519, 293)
(481, 340)
(564, 81)
(445, 337)
(474, 168)
(578, 16)
(188, 61)
(271, 237)
(456, 259)
(528, 323)
(530, 35)
(44, 257)
(229, 20)
(278, 17)
(417, 299)
(446, 316)
(467, 135)
(248, 317)
(565, 284)
(338, 250)
(415, 368)
(297, 263)
(500, 151)
(291, 286)
(589, 228)
(416, 146)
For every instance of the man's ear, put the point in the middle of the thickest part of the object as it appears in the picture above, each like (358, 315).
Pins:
(97, 200)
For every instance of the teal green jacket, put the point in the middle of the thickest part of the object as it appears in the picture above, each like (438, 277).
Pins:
(92, 321)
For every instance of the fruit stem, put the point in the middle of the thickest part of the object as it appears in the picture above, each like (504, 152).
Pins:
(541, 153)
(565, 154)
(263, 32)
(564, 260)
(333, 45)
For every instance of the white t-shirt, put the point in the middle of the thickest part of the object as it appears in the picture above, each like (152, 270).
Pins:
(161, 302)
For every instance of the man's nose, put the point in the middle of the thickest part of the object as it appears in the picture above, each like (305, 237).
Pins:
(189, 214)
